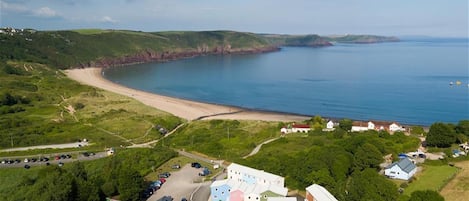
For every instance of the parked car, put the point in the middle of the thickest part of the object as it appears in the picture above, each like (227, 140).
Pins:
(165, 175)
(204, 172)
(166, 198)
(26, 160)
(61, 164)
(176, 166)
(196, 165)
(27, 166)
(162, 180)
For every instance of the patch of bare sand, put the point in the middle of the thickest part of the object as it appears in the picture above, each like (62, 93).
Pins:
(458, 188)
(186, 109)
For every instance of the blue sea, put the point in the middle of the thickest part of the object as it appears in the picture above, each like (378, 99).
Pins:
(407, 81)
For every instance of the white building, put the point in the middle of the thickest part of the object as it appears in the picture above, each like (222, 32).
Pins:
(329, 126)
(247, 184)
(358, 126)
(296, 128)
(404, 169)
(316, 192)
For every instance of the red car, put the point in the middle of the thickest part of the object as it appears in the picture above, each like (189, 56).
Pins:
(163, 180)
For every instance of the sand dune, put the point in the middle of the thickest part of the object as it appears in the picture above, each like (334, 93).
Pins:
(190, 110)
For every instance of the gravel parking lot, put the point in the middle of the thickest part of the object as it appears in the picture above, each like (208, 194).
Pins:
(181, 184)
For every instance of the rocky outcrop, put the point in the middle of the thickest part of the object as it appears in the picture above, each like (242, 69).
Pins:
(155, 56)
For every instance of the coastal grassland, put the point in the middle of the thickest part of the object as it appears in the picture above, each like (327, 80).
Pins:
(227, 139)
(432, 177)
(458, 187)
(40, 105)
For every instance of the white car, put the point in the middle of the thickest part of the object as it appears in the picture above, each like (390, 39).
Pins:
(26, 160)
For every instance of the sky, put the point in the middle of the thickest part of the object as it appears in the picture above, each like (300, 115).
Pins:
(325, 17)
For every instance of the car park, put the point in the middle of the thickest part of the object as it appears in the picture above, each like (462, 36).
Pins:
(196, 165)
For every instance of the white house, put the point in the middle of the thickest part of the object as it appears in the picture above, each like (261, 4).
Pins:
(316, 192)
(404, 169)
(247, 184)
(396, 127)
(329, 126)
(296, 128)
(358, 126)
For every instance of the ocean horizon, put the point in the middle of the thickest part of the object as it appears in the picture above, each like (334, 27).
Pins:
(407, 82)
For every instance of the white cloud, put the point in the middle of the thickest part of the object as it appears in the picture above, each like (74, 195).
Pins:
(107, 19)
(12, 7)
(45, 12)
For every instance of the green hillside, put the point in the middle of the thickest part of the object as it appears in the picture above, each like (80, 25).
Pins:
(313, 40)
(64, 49)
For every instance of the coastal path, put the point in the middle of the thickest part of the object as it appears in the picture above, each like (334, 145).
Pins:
(258, 147)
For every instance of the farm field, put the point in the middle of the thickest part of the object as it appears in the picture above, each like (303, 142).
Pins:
(458, 187)
(431, 178)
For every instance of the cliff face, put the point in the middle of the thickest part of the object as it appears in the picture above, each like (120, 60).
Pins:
(155, 56)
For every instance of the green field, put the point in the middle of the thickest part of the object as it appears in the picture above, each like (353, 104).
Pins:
(431, 178)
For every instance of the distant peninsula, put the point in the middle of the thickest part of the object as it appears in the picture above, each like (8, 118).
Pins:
(105, 48)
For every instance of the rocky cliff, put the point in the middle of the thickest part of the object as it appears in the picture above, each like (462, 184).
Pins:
(156, 56)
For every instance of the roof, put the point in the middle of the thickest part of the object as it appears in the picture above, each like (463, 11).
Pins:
(405, 164)
(281, 199)
(360, 123)
(254, 172)
(320, 193)
(301, 126)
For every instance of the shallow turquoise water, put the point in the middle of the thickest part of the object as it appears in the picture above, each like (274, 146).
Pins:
(406, 81)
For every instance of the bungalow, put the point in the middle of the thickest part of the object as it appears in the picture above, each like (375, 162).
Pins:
(358, 126)
(247, 184)
(295, 128)
(316, 192)
(404, 169)
(376, 125)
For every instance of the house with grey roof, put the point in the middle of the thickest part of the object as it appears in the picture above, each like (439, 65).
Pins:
(403, 169)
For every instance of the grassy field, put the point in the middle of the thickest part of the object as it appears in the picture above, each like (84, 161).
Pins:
(53, 109)
(223, 138)
(458, 187)
(431, 178)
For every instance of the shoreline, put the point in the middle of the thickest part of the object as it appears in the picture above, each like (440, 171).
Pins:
(186, 109)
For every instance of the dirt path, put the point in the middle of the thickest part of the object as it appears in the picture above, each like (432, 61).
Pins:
(458, 188)
(258, 147)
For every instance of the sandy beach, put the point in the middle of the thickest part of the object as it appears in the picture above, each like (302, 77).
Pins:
(190, 110)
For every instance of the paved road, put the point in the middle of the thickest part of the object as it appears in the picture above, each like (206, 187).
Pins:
(52, 146)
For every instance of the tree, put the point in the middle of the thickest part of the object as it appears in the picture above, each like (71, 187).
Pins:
(367, 156)
(463, 127)
(130, 184)
(345, 124)
(369, 185)
(427, 195)
(441, 135)
(417, 130)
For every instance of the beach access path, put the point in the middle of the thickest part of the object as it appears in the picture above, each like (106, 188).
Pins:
(190, 110)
